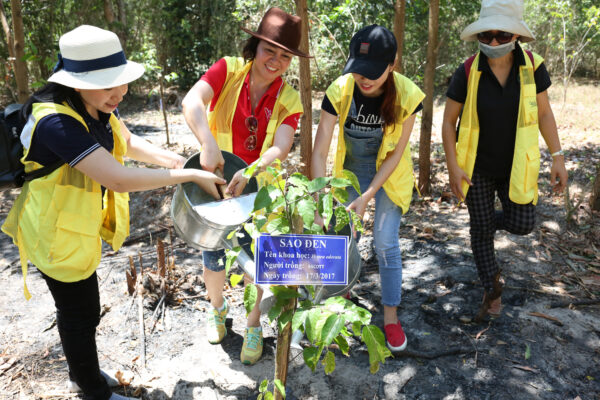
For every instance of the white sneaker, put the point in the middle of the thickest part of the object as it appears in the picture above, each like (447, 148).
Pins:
(73, 387)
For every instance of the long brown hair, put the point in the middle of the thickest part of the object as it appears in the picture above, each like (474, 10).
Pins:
(388, 106)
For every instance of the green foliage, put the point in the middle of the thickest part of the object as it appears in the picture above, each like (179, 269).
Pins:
(290, 205)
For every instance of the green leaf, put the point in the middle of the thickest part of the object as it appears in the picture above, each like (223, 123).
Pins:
(356, 221)
(306, 209)
(328, 362)
(259, 222)
(527, 351)
(340, 183)
(249, 298)
(311, 357)
(326, 208)
(263, 386)
(357, 327)
(311, 323)
(299, 318)
(353, 180)
(375, 341)
(284, 319)
(263, 199)
(251, 169)
(230, 257)
(318, 183)
(277, 383)
(231, 234)
(268, 396)
(275, 310)
(343, 344)
(293, 193)
(234, 279)
(278, 226)
(341, 218)
(332, 327)
(284, 292)
(299, 180)
(340, 195)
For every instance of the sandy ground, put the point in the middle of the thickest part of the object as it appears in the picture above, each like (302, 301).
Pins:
(533, 351)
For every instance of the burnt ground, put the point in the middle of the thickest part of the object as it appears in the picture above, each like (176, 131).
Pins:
(535, 350)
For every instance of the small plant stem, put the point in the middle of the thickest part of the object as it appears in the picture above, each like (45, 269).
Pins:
(284, 338)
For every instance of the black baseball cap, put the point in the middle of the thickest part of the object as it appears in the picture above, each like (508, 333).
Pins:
(372, 50)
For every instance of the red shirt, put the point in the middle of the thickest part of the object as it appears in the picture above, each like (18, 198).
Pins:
(215, 77)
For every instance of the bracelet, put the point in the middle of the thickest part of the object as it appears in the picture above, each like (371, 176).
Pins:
(558, 153)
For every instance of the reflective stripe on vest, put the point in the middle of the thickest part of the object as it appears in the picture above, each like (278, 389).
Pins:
(57, 221)
(526, 159)
(399, 184)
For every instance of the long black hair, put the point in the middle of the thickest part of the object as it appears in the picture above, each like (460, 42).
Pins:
(249, 49)
(53, 93)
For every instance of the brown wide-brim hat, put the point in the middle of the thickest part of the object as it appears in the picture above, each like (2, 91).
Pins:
(280, 29)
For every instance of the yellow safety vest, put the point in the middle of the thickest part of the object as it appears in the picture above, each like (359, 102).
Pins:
(58, 220)
(220, 119)
(523, 188)
(400, 183)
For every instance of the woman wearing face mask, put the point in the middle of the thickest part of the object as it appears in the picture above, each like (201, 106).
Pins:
(242, 105)
(376, 108)
(501, 97)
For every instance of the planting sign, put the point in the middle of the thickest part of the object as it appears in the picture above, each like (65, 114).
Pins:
(301, 260)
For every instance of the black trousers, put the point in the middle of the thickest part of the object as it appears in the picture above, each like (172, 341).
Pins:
(77, 316)
(485, 221)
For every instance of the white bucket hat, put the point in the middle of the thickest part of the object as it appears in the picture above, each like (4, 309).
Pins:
(92, 58)
(501, 15)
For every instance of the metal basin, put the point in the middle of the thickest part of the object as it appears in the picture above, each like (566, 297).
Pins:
(202, 222)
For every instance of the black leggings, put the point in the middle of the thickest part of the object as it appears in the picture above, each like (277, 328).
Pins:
(77, 316)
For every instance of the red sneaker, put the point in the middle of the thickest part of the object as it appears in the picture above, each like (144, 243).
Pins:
(396, 339)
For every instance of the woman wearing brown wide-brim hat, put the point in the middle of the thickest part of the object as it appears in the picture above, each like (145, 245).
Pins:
(243, 106)
(501, 97)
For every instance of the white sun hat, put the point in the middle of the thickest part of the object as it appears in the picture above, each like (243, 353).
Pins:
(92, 58)
(501, 15)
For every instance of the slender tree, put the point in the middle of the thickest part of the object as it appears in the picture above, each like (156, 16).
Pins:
(305, 91)
(399, 22)
(595, 197)
(20, 66)
(426, 120)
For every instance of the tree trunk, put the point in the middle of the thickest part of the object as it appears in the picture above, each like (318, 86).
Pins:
(595, 197)
(305, 91)
(425, 139)
(399, 21)
(109, 15)
(122, 33)
(19, 48)
(9, 38)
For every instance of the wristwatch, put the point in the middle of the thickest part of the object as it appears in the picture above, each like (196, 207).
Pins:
(558, 153)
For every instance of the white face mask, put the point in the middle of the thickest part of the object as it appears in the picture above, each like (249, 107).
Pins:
(497, 51)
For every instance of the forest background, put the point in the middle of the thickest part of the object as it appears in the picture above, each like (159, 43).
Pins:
(178, 40)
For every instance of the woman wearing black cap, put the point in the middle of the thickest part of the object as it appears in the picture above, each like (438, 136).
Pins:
(376, 108)
(501, 95)
(242, 105)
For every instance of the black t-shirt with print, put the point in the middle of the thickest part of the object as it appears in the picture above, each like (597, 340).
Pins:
(368, 115)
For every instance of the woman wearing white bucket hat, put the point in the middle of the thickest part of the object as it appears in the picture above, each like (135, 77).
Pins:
(60, 219)
(501, 97)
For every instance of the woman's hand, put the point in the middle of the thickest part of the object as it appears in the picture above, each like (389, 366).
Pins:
(178, 162)
(359, 206)
(457, 176)
(237, 184)
(558, 170)
(211, 157)
(207, 181)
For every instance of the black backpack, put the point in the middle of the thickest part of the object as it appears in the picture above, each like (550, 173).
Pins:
(12, 172)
